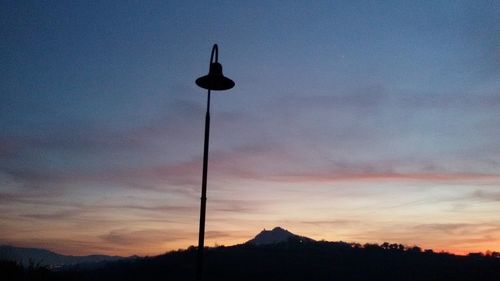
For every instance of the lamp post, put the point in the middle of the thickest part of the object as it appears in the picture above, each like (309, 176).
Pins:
(215, 81)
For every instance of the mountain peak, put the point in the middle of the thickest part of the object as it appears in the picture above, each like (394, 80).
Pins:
(276, 235)
(278, 228)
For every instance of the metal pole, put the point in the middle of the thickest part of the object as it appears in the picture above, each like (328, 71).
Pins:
(201, 238)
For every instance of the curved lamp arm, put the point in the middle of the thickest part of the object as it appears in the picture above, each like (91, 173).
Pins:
(215, 50)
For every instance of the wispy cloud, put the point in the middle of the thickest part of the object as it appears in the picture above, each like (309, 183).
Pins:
(484, 195)
(54, 216)
(125, 237)
(331, 223)
(387, 176)
(465, 235)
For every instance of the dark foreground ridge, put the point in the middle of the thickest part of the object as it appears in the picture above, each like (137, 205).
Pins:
(295, 258)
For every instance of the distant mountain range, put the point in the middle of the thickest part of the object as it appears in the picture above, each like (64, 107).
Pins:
(278, 254)
(27, 256)
(43, 257)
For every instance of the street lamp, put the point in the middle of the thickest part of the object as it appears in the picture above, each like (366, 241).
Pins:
(215, 81)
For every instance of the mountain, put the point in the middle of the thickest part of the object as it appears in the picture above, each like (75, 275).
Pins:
(281, 255)
(291, 260)
(44, 257)
(276, 235)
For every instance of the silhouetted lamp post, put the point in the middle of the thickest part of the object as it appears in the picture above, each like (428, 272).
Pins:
(213, 81)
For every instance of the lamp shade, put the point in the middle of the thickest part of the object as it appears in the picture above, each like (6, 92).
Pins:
(215, 80)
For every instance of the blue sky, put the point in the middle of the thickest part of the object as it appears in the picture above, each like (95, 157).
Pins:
(362, 121)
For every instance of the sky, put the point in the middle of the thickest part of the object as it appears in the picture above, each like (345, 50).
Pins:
(360, 121)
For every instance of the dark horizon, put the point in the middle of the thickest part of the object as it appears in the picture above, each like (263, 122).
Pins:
(280, 238)
(293, 259)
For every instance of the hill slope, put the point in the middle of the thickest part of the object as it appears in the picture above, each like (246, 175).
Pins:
(44, 257)
(276, 235)
(296, 261)
(281, 255)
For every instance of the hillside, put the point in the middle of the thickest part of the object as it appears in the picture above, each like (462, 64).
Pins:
(276, 235)
(43, 257)
(293, 259)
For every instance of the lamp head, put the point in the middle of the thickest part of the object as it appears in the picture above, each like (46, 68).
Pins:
(215, 80)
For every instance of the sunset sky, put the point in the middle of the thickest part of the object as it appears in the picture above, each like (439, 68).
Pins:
(361, 121)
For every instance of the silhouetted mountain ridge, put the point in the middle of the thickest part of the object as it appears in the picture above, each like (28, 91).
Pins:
(293, 258)
(296, 260)
(276, 235)
(45, 257)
